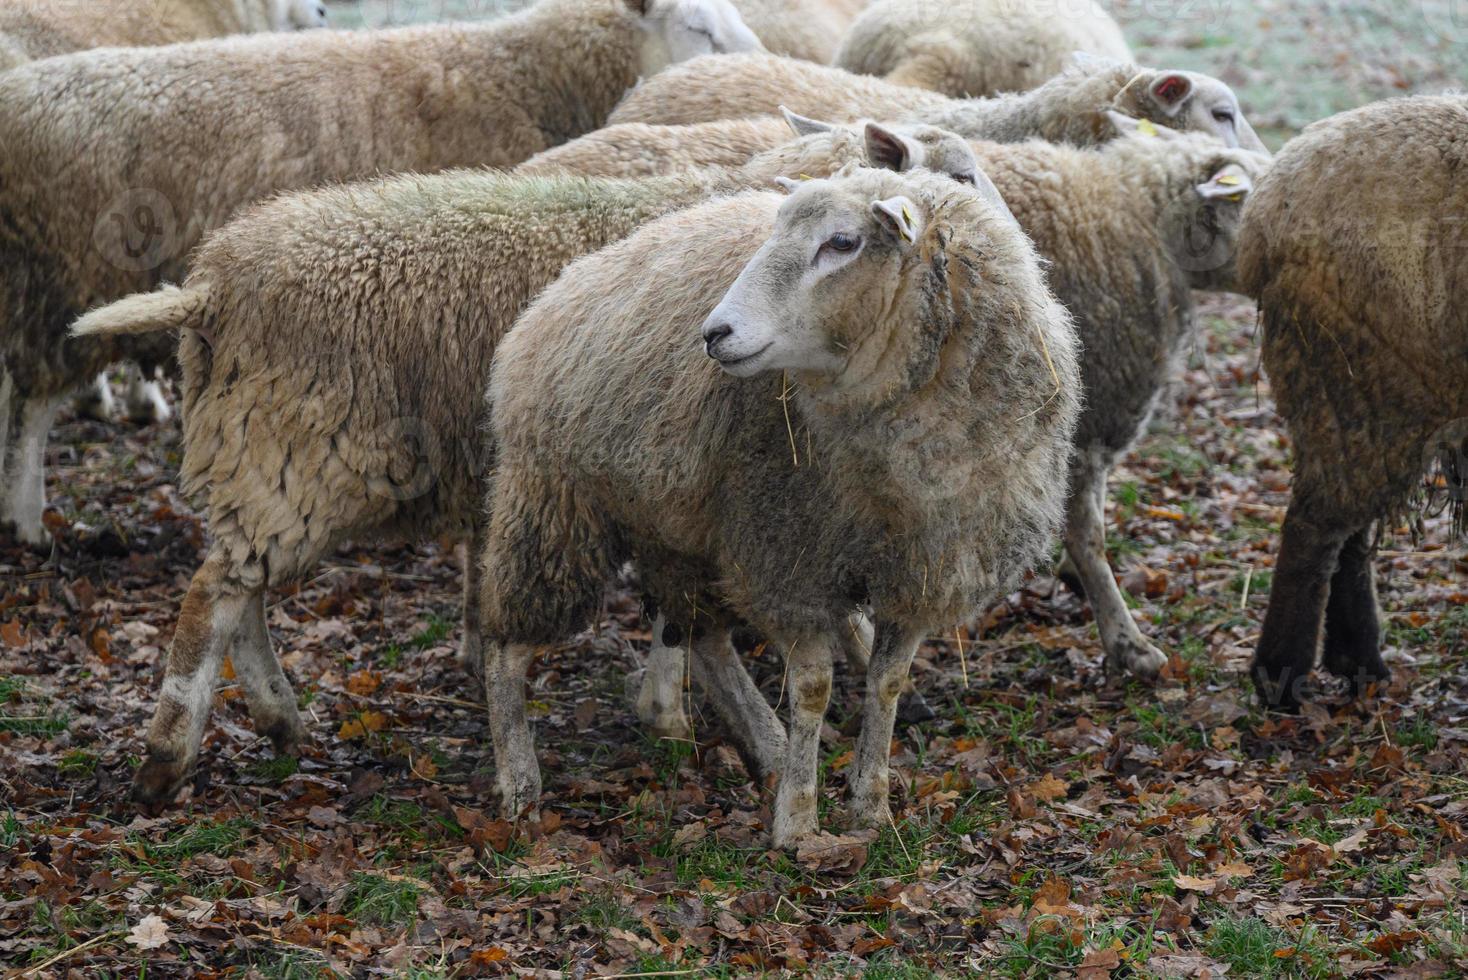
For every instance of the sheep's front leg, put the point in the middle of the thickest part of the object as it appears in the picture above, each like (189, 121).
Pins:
(856, 641)
(471, 644)
(208, 627)
(751, 722)
(517, 772)
(1308, 551)
(143, 397)
(660, 696)
(1352, 647)
(23, 495)
(1085, 543)
(95, 401)
(808, 687)
(269, 694)
(891, 659)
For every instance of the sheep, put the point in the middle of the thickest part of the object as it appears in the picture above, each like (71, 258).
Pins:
(330, 343)
(1362, 280)
(887, 424)
(807, 29)
(33, 29)
(114, 162)
(967, 48)
(1069, 108)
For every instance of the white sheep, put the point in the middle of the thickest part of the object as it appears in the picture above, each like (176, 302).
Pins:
(889, 427)
(113, 163)
(967, 48)
(808, 29)
(1070, 108)
(330, 343)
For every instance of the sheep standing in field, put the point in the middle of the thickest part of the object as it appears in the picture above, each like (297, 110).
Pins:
(890, 427)
(113, 163)
(967, 48)
(807, 29)
(33, 29)
(1070, 108)
(1355, 247)
(330, 343)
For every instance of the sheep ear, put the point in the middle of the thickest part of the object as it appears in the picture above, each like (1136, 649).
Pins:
(640, 7)
(804, 126)
(900, 217)
(1131, 126)
(888, 150)
(786, 184)
(1229, 184)
(1170, 90)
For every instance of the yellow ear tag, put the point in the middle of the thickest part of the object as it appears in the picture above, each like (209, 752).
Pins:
(1146, 127)
(1229, 180)
(906, 224)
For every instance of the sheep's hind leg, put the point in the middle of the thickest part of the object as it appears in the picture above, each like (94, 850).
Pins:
(471, 645)
(891, 659)
(808, 688)
(143, 398)
(517, 773)
(856, 643)
(660, 695)
(752, 723)
(1302, 573)
(1085, 542)
(23, 495)
(1352, 647)
(209, 622)
(95, 401)
(271, 698)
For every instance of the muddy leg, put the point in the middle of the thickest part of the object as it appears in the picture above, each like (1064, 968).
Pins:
(751, 722)
(891, 659)
(1353, 617)
(517, 773)
(270, 696)
(856, 643)
(208, 625)
(143, 397)
(1302, 574)
(660, 696)
(808, 688)
(1085, 543)
(471, 645)
(23, 495)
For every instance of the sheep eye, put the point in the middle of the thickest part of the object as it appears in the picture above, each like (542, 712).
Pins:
(965, 179)
(1223, 116)
(841, 242)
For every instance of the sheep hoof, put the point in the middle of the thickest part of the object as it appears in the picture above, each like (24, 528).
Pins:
(158, 780)
(874, 813)
(286, 734)
(913, 708)
(1136, 657)
(148, 407)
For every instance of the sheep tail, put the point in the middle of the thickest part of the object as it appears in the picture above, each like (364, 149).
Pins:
(168, 308)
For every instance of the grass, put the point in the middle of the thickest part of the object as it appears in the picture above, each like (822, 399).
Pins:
(1254, 948)
(601, 912)
(276, 769)
(436, 630)
(23, 718)
(379, 901)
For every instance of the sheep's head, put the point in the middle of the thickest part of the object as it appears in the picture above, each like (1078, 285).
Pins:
(1188, 101)
(297, 15)
(851, 289)
(677, 30)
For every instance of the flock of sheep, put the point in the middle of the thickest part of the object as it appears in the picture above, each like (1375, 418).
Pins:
(841, 383)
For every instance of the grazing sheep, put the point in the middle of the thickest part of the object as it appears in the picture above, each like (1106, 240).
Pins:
(967, 48)
(890, 428)
(1070, 108)
(808, 29)
(33, 29)
(330, 343)
(1355, 247)
(113, 163)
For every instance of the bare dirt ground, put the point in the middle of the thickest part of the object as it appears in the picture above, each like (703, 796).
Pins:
(1050, 822)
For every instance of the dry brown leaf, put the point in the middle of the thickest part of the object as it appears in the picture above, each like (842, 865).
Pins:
(151, 932)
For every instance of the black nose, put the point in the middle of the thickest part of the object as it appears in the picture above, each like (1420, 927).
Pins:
(715, 332)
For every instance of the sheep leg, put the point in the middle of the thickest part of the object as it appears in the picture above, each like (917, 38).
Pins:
(1065, 569)
(856, 642)
(271, 698)
(808, 672)
(660, 696)
(208, 624)
(471, 645)
(1302, 573)
(1085, 543)
(1352, 646)
(23, 496)
(96, 402)
(143, 398)
(891, 659)
(752, 723)
(517, 773)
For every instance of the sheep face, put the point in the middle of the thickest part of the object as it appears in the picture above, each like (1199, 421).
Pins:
(1201, 229)
(298, 15)
(833, 267)
(677, 30)
(1188, 101)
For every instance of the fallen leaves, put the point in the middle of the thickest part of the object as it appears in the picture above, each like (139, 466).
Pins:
(151, 932)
